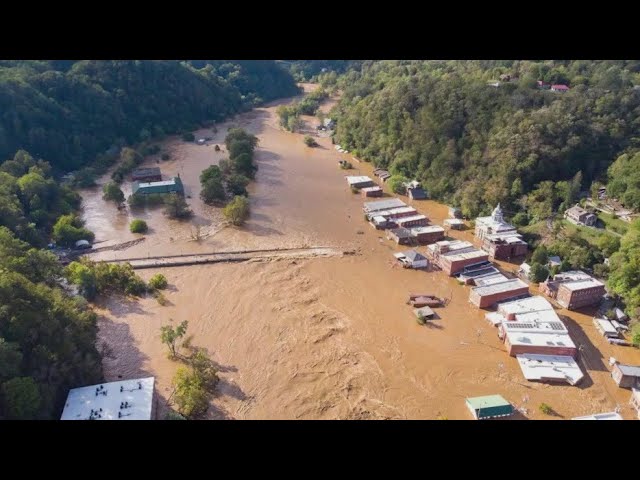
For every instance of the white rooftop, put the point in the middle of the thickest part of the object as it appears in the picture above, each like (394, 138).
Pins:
(371, 189)
(383, 204)
(550, 367)
(395, 211)
(490, 279)
(453, 221)
(601, 416)
(605, 325)
(412, 218)
(504, 286)
(122, 400)
(429, 229)
(158, 184)
(353, 179)
(525, 305)
(535, 339)
(582, 284)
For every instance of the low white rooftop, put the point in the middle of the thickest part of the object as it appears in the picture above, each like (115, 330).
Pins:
(453, 221)
(122, 400)
(158, 184)
(385, 204)
(540, 339)
(429, 229)
(582, 284)
(601, 416)
(354, 179)
(550, 367)
(490, 279)
(412, 218)
(526, 305)
(504, 286)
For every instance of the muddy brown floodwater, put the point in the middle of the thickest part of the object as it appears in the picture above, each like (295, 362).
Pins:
(319, 338)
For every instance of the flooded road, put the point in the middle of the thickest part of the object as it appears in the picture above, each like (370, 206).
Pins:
(319, 338)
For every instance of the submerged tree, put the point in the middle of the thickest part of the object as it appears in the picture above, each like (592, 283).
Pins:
(170, 335)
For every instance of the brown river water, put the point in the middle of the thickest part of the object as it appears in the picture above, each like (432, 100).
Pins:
(317, 338)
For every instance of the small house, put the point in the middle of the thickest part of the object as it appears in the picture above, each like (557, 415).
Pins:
(371, 191)
(415, 190)
(167, 186)
(423, 313)
(579, 216)
(329, 123)
(606, 328)
(524, 270)
(412, 221)
(455, 212)
(554, 261)
(151, 174)
(626, 376)
(559, 88)
(359, 181)
(412, 259)
(402, 236)
(380, 171)
(453, 223)
(429, 234)
(201, 141)
(490, 406)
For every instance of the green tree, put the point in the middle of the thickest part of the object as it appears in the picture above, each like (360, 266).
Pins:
(310, 141)
(21, 398)
(170, 335)
(138, 226)
(158, 282)
(237, 211)
(540, 255)
(237, 184)
(176, 207)
(84, 277)
(10, 360)
(538, 273)
(608, 244)
(113, 193)
(190, 395)
(396, 184)
(69, 229)
(635, 335)
(188, 137)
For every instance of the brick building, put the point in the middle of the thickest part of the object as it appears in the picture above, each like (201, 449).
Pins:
(488, 295)
(574, 289)
(452, 256)
(499, 238)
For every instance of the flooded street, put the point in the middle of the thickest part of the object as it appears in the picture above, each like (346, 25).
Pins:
(317, 338)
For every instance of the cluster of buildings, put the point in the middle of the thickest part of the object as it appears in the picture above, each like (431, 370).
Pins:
(149, 180)
(574, 289)
(534, 334)
(499, 238)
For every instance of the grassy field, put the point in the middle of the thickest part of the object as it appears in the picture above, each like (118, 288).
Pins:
(613, 224)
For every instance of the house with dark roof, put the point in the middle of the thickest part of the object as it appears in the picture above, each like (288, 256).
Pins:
(146, 174)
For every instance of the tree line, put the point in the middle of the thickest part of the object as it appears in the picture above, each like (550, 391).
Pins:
(71, 112)
(225, 184)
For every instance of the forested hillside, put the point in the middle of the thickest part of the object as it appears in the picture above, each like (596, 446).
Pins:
(69, 112)
(306, 70)
(475, 144)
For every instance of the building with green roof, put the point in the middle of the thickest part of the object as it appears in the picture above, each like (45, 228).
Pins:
(489, 406)
(166, 186)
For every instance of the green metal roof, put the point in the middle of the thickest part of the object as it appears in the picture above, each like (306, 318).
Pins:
(488, 401)
(165, 186)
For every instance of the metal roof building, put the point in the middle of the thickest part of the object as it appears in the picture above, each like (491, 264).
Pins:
(386, 204)
(166, 186)
(550, 368)
(122, 400)
(489, 406)
(601, 416)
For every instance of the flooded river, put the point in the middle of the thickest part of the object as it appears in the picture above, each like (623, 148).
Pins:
(319, 338)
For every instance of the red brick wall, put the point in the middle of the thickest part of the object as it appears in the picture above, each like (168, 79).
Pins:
(457, 266)
(580, 298)
(539, 349)
(432, 237)
(488, 300)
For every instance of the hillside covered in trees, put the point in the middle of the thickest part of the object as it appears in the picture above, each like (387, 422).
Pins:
(71, 111)
(481, 132)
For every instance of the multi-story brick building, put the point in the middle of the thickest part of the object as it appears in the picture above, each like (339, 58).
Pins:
(574, 289)
(499, 238)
